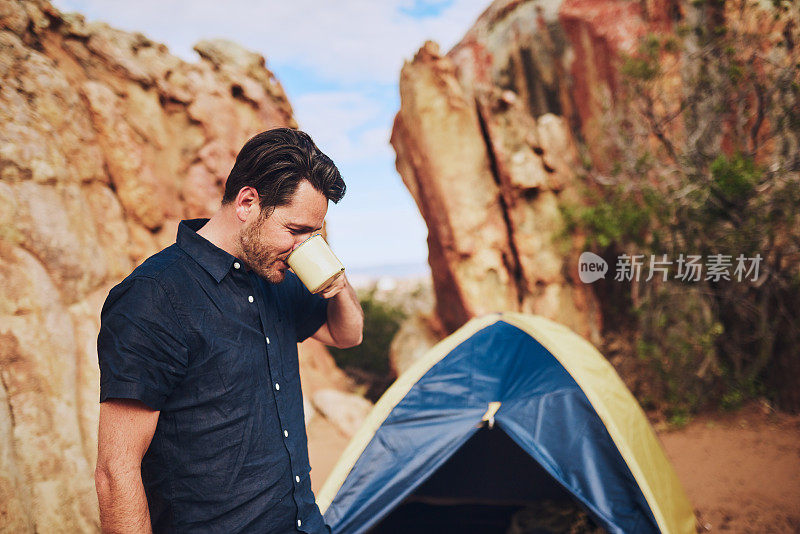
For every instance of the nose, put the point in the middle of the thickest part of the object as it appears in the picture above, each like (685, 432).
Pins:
(300, 239)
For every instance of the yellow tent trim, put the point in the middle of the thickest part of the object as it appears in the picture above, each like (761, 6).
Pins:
(617, 408)
(623, 417)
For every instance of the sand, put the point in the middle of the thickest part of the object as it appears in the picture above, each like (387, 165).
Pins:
(741, 471)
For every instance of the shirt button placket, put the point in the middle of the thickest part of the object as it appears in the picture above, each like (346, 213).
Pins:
(280, 405)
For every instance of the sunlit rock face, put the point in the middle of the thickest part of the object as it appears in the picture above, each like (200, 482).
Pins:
(485, 144)
(487, 136)
(106, 142)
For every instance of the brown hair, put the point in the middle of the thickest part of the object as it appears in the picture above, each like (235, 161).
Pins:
(275, 162)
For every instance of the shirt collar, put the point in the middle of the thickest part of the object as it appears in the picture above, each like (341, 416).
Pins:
(210, 257)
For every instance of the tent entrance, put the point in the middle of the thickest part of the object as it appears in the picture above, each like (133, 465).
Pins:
(489, 485)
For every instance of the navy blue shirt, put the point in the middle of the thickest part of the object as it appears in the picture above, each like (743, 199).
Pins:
(191, 332)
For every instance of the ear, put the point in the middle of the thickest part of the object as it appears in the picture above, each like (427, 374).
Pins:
(246, 202)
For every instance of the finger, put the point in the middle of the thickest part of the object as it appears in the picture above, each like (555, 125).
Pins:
(335, 286)
(332, 291)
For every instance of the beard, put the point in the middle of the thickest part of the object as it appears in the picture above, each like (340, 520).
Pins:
(258, 256)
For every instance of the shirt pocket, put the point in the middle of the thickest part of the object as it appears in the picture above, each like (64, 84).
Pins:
(229, 360)
(285, 348)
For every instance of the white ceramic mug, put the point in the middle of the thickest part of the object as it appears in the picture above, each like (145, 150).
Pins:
(315, 264)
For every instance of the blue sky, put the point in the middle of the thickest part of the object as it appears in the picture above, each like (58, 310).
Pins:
(339, 62)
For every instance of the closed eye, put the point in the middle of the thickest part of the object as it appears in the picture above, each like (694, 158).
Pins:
(303, 230)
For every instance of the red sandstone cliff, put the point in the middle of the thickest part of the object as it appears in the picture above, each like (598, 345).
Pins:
(487, 135)
(106, 141)
(484, 144)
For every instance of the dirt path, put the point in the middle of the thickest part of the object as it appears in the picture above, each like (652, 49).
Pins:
(741, 471)
(325, 444)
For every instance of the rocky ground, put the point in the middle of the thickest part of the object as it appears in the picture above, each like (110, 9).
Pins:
(740, 470)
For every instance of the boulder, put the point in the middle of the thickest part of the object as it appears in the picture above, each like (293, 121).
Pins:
(106, 141)
(416, 336)
(485, 145)
(346, 411)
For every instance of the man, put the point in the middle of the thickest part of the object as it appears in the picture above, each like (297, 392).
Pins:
(201, 415)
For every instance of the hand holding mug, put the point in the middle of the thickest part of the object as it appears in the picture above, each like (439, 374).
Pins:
(338, 284)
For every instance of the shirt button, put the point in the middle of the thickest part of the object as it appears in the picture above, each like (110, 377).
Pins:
(285, 433)
(250, 298)
(297, 478)
(267, 340)
(277, 386)
(236, 265)
(299, 522)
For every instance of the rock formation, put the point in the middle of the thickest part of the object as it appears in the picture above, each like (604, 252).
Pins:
(496, 136)
(346, 411)
(484, 144)
(106, 142)
(417, 335)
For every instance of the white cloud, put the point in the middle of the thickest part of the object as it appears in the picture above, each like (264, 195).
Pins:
(339, 122)
(378, 236)
(356, 40)
(376, 141)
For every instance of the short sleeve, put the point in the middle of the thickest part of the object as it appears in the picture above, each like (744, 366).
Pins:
(141, 346)
(310, 311)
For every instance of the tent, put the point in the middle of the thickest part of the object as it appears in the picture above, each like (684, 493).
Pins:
(509, 410)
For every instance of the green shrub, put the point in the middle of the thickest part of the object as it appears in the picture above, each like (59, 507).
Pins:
(691, 184)
(368, 363)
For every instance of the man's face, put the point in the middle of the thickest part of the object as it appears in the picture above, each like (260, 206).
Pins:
(267, 242)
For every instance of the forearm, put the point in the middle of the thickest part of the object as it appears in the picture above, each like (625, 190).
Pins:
(123, 503)
(345, 317)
